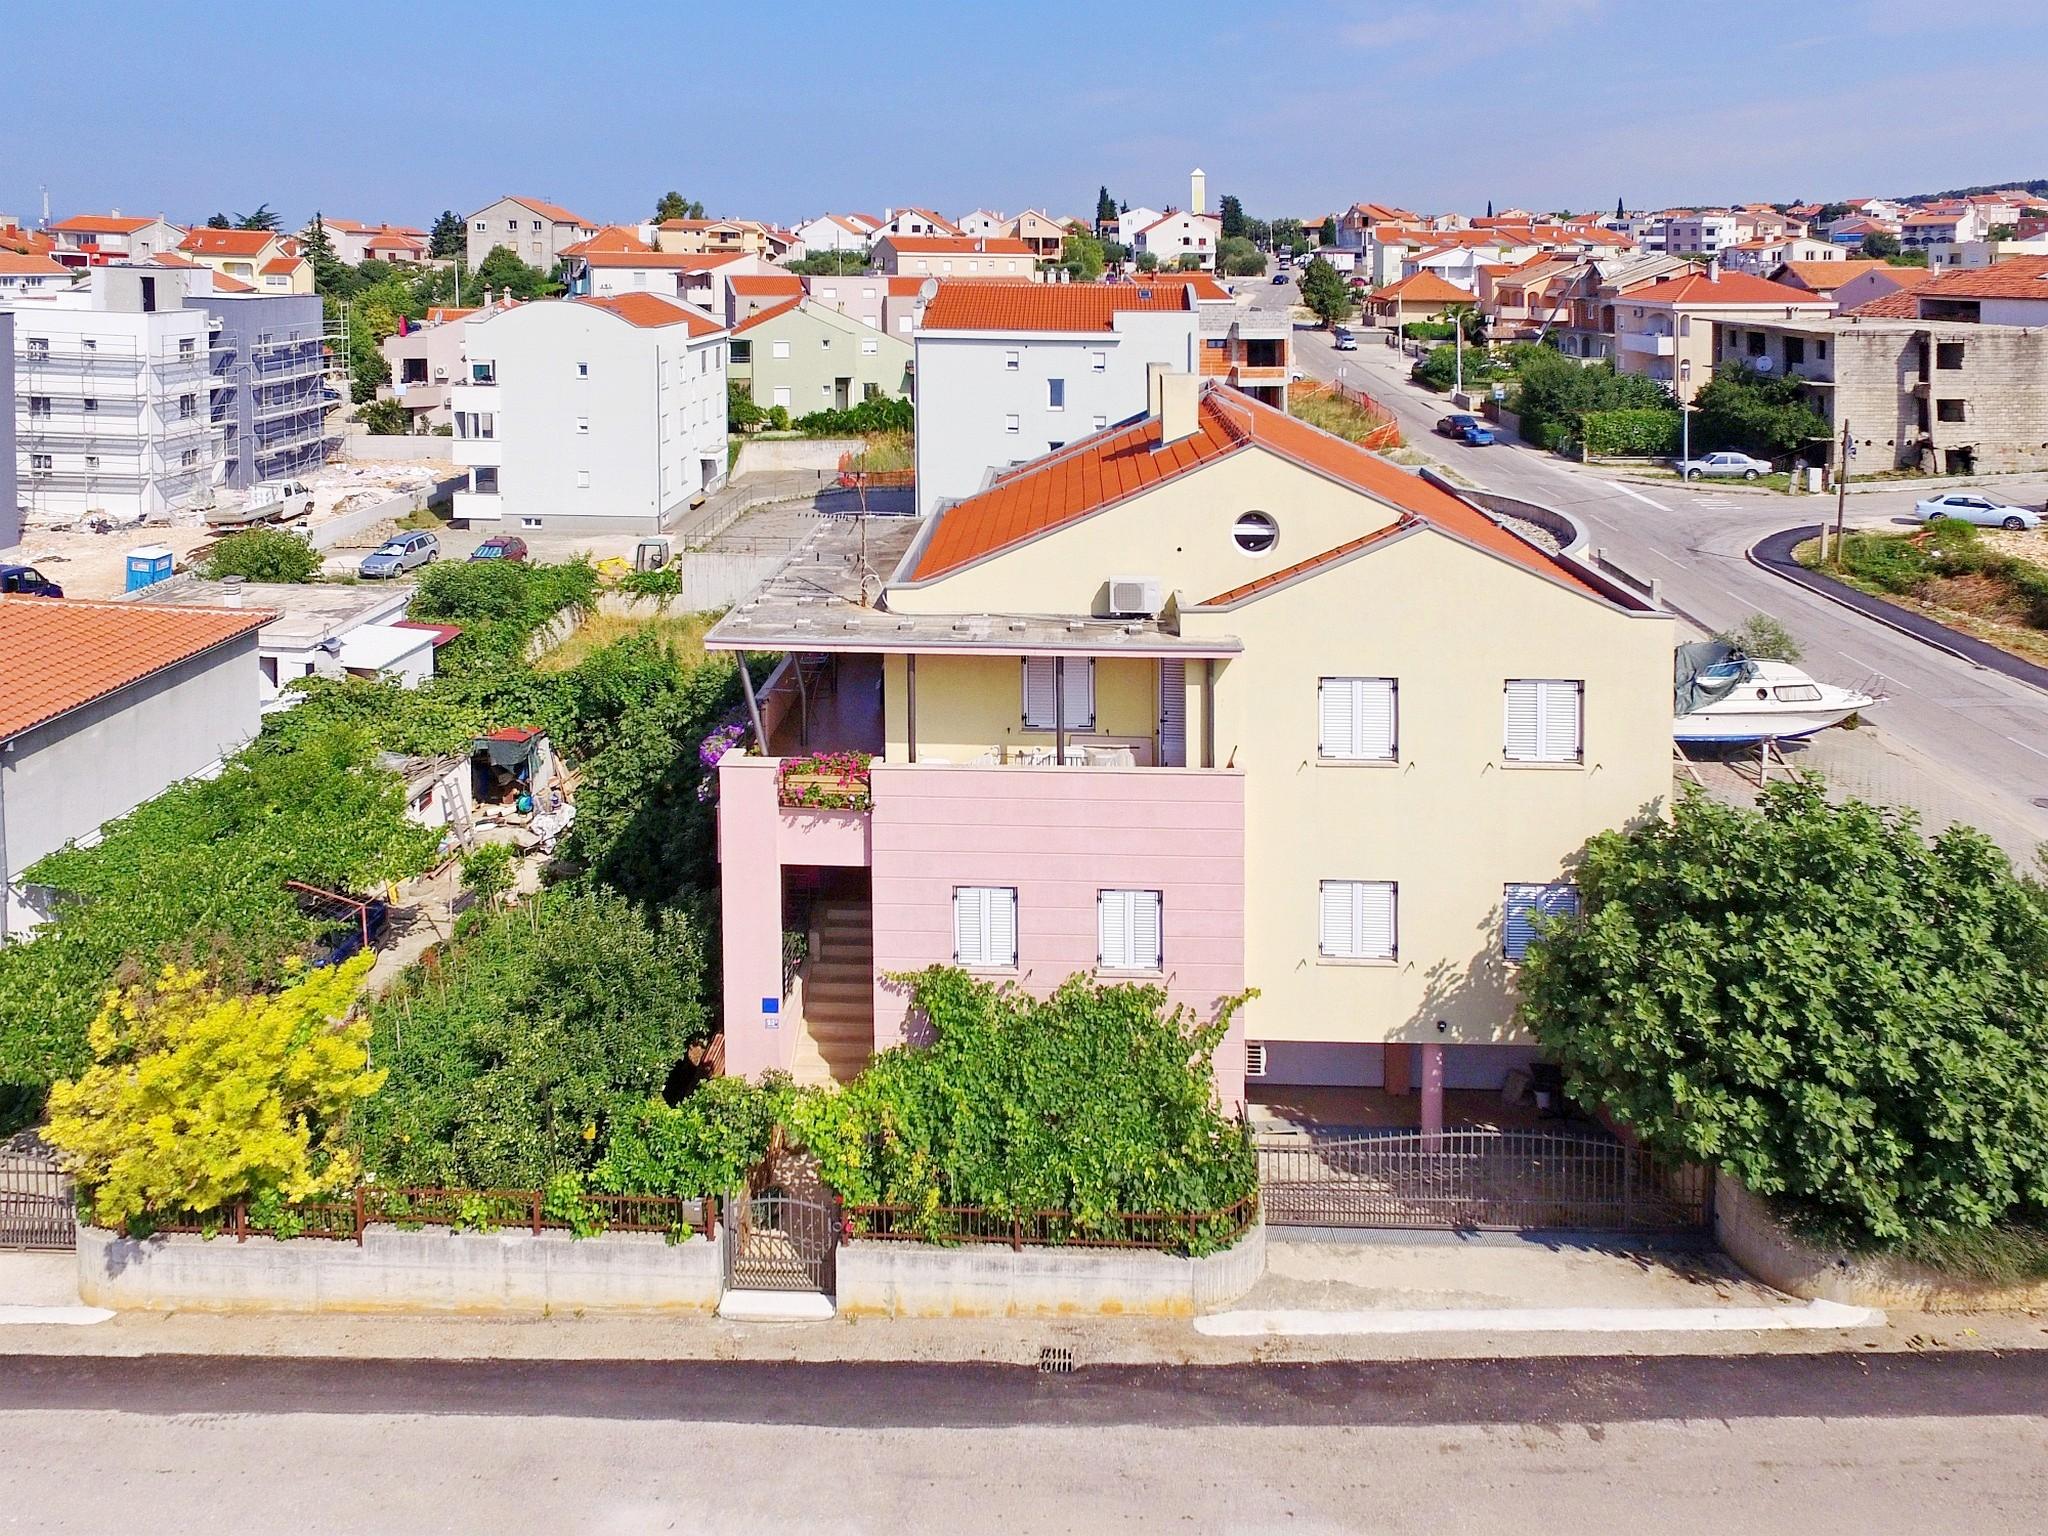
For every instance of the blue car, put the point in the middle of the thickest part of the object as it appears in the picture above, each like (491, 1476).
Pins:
(1476, 436)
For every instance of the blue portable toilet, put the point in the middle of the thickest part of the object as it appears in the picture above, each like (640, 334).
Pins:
(149, 565)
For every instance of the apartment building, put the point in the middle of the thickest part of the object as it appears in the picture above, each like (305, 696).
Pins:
(1174, 235)
(952, 256)
(804, 357)
(1666, 330)
(1766, 253)
(532, 229)
(273, 363)
(355, 242)
(700, 237)
(916, 224)
(890, 304)
(22, 272)
(94, 239)
(111, 401)
(1702, 234)
(1587, 327)
(1007, 372)
(426, 363)
(1209, 700)
(747, 294)
(594, 414)
(267, 262)
(853, 232)
(1046, 235)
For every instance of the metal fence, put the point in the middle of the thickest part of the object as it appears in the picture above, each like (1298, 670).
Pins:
(38, 1208)
(347, 1217)
(1507, 1180)
(777, 1241)
(1174, 1231)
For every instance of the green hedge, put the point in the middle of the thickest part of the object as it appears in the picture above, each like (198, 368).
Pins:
(1630, 433)
(1429, 330)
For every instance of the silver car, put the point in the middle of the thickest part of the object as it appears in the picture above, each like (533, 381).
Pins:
(396, 556)
(1724, 466)
(1981, 510)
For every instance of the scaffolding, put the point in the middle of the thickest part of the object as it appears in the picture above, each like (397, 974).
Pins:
(106, 427)
(275, 399)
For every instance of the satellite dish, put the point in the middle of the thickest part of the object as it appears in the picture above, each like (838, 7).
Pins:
(928, 290)
(1762, 364)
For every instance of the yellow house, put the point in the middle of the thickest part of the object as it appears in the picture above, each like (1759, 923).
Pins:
(703, 237)
(1209, 698)
(267, 262)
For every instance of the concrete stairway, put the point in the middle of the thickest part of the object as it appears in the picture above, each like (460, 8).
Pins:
(837, 1035)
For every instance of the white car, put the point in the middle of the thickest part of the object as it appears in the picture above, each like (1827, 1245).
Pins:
(1981, 510)
(1724, 466)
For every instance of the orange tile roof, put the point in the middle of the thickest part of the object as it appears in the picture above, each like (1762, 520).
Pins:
(612, 238)
(1200, 284)
(1424, 288)
(280, 266)
(552, 211)
(227, 242)
(1125, 460)
(62, 653)
(2017, 277)
(393, 241)
(649, 310)
(779, 282)
(670, 261)
(222, 283)
(1899, 304)
(905, 287)
(1238, 594)
(1827, 276)
(763, 316)
(101, 224)
(22, 264)
(956, 245)
(1065, 307)
(936, 220)
(442, 314)
(1731, 288)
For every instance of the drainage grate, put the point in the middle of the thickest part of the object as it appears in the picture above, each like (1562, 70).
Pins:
(1055, 1360)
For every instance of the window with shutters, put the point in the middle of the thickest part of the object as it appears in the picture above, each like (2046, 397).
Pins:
(1127, 923)
(1358, 920)
(1544, 718)
(985, 927)
(1356, 719)
(1040, 700)
(1522, 903)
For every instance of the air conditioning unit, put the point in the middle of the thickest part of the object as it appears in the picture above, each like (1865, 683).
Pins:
(1133, 597)
(1255, 1058)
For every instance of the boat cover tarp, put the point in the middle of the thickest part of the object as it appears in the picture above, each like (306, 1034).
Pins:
(1691, 688)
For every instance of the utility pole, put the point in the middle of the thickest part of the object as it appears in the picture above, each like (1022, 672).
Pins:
(1841, 489)
(1458, 352)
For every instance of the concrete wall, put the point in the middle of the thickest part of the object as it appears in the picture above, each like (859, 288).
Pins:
(891, 1279)
(1753, 1238)
(397, 1271)
(330, 534)
(778, 455)
(387, 449)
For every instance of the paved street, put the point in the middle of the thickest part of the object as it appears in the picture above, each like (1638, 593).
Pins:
(1957, 741)
(1926, 1444)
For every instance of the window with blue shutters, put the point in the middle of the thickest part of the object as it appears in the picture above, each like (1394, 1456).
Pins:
(1523, 903)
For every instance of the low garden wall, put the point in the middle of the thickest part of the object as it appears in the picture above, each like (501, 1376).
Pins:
(906, 1279)
(400, 1271)
(1750, 1235)
(774, 455)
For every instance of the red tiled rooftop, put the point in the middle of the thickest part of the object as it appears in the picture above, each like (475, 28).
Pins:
(1424, 288)
(1729, 288)
(62, 653)
(2017, 277)
(968, 306)
(648, 310)
(227, 242)
(101, 224)
(779, 282)
(762, 316)
(956, 245)
(553, 212)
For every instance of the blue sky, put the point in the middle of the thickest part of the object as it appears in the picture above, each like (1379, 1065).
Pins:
(380, 110)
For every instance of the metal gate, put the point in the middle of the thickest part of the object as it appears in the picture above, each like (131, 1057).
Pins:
(37, 1206)
(1477, 1180)
(776, 1241)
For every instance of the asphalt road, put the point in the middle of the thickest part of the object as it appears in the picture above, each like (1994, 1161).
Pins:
(1919, 1443)
(1981, 737)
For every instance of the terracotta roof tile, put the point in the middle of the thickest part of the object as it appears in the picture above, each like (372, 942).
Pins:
(779, 282)
(2017, 277)
(1729, 288)
(227, 242)
(101, 224)
(1424, 288)
(612, 238)
(280, 266)
(21, 264)
(62, 653)
(1065, 307)
(955, 245)
(648, 311)
(1238, 594)
(1899, 304)
(1827, 276)
(762, 316)
(553, 212)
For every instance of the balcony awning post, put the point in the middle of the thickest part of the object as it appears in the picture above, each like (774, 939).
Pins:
(910, 701)
(753, 705)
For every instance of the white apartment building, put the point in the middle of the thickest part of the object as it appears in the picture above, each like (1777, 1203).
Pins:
(1009, 371)
(534, 230)
(590, 415)
(1174, 235)
(111, 396)
(1701, 234)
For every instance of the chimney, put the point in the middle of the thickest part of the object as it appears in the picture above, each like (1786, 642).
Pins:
(231, 591)
(1198, 191)
(1176, 409)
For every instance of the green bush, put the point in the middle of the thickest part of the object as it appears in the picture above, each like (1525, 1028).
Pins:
(1813, 999)
(1429, 330)
(263, 554)
(1095, 1100)
(740, 410)
(1440, 369)
(883, 413)
(1764, 414)
(703, 1146)
(500, 604)
(1637, 432)
(1553, 394)
(507, 1054)
(1908, 563)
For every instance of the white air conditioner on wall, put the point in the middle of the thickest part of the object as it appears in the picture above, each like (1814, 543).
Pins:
(1135, 597)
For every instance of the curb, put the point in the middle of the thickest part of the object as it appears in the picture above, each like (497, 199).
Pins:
(1773, 553)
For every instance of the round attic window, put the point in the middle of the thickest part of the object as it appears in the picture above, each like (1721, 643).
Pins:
(1255, 533)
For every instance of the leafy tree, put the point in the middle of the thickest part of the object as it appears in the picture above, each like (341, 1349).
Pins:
(1148, 261)
(1286, 232)
(740, 410)
(1813, 999)
(828, 263)
(1442, 368)
(385, 418)
(1554, 394)
(263, 554)
(673, 205)
(330, 274)
(1880, 244)
(1328, 233)
(1231, 211)
(264, 218)
(706, 1145)
(2005, 232)
(219, 221)
(508, 1057)
(1325, 292)
(1908, 259)
(487, 872)
(367, 366)
(504, 273)
(1094, 1100)
(1114, 254)
(1082, 257)
(1764, 638)
(1764, 414)
(1620, 209)
(1105, 206)
(1238, 257)
(197, 1098)
(1188, 262)
(448, 237)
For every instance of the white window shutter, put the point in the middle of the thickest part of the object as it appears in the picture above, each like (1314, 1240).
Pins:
(1335, 701)
(1145, 934)
(1376, 920)
(1001, 930)
(969, 921)
(1112, 923)
(1373, 710)
(1561, 728)
(1038, 692)
(1339, 916)
(1523, 734)
(1524, 902)
(1173, 714)
(1080, 672)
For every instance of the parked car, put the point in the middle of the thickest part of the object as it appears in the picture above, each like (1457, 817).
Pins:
(1477, 435)
(27, 581)
(1724, 466)
(1279, 279)
(1981, 510)
(396, 556)
(1455, 424)
(500, 546)
(1343, 341)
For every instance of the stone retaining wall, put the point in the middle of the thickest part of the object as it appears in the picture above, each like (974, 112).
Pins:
(398, 1271)
(1753, 1238)
(892, 1279)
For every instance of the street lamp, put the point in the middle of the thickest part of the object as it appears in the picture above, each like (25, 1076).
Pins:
(1685, 436)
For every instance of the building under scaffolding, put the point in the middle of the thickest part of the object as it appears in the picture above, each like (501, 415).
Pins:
(274, 368)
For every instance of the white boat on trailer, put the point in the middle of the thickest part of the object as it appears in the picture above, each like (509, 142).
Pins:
(1721, 695)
